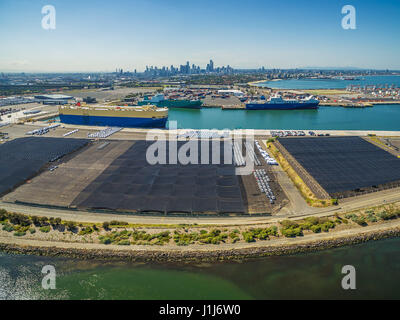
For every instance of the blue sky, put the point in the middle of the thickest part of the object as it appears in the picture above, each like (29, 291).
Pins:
(97, 35)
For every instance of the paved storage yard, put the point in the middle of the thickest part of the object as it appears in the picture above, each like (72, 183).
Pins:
(345, 166)
(115, 175)
(23, 158)
(62, 185)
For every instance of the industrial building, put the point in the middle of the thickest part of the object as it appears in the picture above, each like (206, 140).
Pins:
(55, 99)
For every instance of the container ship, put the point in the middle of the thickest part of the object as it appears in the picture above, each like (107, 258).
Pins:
(148, 116)
(277, 103)
(160, 101)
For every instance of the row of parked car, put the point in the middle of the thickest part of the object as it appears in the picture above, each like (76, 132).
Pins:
(104, 133)
(263, 184)
(312, 133)
(288, 133)
(268, 159)
(296, 133)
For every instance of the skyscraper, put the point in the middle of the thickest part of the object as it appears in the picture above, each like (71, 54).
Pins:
(211, 66)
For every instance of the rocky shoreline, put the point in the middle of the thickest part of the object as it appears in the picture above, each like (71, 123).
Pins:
(193, 255)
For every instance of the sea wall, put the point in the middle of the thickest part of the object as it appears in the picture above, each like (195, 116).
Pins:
(197, 255)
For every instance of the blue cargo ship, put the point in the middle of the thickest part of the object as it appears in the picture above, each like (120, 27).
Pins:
(131, 117)
(277, 103)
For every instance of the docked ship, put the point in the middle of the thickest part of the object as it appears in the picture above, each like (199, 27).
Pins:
(148, 116)
(277, 103)
(160, 101)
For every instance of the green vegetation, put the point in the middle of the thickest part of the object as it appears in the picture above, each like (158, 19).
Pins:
(215, 236)
(122, 233)
(8, 227)
(292, 229)
(85, 231)
(260, 233)
(45, 229)
(19, 233)
(126, 237)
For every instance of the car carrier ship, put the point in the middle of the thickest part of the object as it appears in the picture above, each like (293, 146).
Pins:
(148, 116)
(277, 103)
(160, 101)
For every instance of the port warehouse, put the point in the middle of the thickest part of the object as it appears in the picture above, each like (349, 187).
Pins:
(342, 166)
(50, 99)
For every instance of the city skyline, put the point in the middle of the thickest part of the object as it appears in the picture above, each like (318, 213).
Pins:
(134, 34)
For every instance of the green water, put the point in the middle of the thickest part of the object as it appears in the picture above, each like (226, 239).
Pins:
(306, 276)
(383, 117)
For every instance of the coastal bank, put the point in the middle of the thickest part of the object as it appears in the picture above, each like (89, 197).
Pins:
(202, 253)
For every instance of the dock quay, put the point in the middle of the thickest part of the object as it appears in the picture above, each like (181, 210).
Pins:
(234, 107)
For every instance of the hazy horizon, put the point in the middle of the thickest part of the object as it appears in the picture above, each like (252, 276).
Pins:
(100, 36)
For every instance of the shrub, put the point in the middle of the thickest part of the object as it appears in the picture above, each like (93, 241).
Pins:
(104, 240)
(324, 228)
(106, 225)
(16, 218)
(36, 221)
(360, 221)
(312, 220)
(371, 217)
(45, 229)
(3, 215)
(316, 228)
(71, 226)
(387, 215)
(233, 235)
(288, 224)
(32, 230)
(19, 233)
(248, 237)
(84, 231)
(350, 216)
(8, 227)
(292, 232)
(43, 221)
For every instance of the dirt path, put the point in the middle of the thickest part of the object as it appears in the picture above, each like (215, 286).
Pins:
(365, 201)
